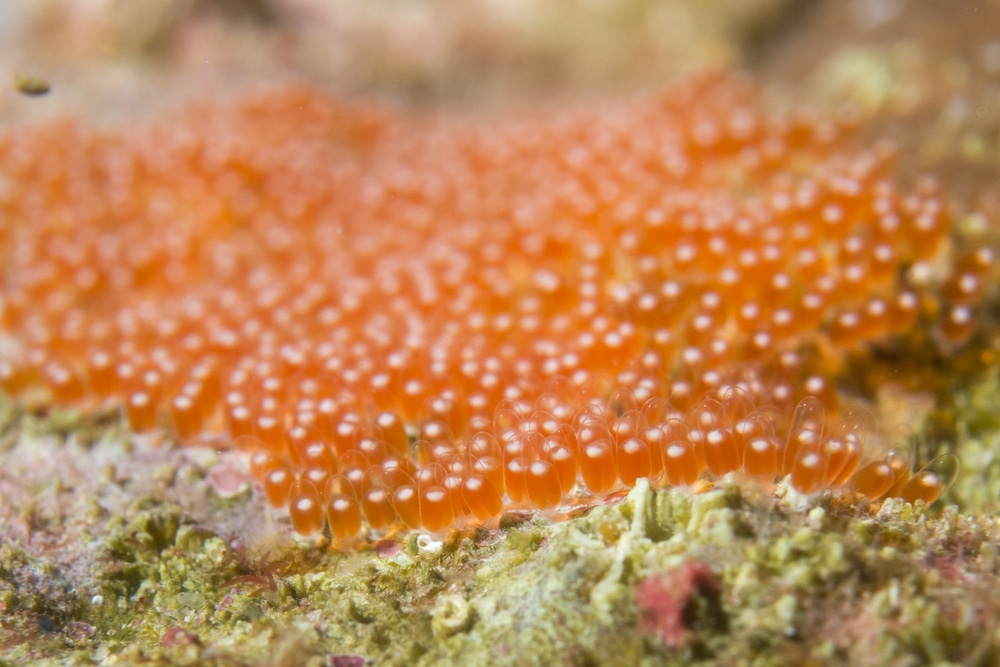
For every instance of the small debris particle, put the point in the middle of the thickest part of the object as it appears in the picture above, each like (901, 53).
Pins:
(32, 86)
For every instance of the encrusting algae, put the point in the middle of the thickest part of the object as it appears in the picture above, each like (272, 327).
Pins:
(426, 322)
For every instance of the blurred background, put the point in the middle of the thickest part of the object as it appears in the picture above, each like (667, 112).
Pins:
(418, 50)
(924, 72)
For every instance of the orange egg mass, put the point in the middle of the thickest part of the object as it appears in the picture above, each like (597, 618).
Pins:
(423, 320)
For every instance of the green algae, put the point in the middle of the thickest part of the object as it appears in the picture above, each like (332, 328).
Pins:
(40, 608)
(837, 583)
(978, 432)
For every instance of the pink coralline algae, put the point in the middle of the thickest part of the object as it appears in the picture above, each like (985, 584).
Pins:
(673, 604)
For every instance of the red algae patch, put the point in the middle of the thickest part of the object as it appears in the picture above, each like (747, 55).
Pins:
(673, 603)
(424, 322)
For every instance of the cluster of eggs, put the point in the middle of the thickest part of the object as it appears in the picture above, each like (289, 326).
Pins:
(427, 320)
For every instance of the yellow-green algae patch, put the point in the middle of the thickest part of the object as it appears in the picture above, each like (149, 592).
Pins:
(978, 429)
(835, 584)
